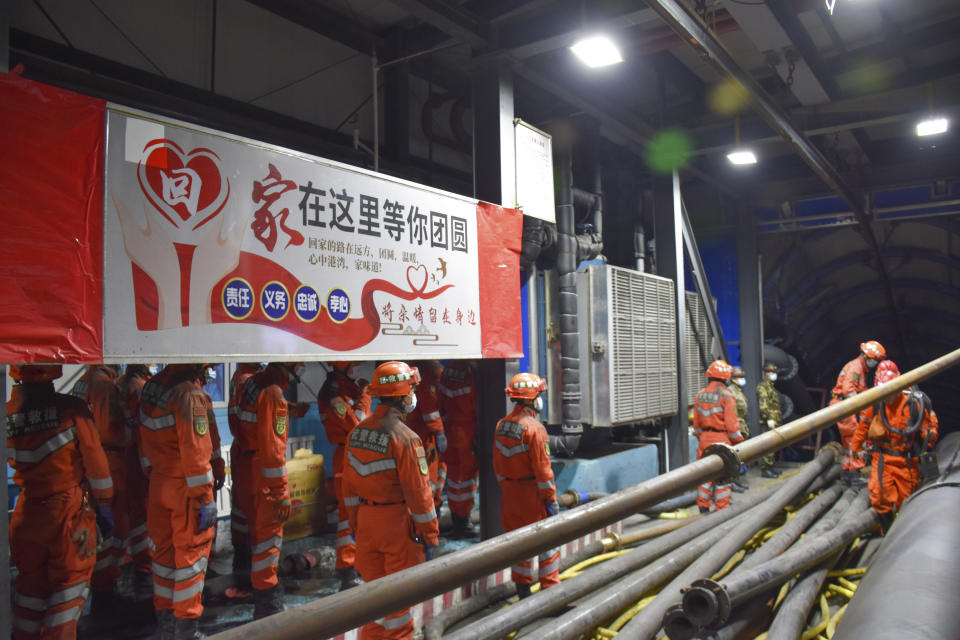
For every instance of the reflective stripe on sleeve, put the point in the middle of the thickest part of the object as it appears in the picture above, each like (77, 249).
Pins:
(100, 483)
(433, 415)
(395, 623)
(545, 485)
(351, 501)
(273, 472)
(199, 481)
(424, 517)
(159, 422)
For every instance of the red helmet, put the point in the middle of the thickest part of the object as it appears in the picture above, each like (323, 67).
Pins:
(873, 349)
(394, 379)
(36, 372)
(720, 370)
(886, 371)
(526, 386)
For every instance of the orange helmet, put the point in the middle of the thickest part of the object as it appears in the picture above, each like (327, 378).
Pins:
(873, 349)
(526, 386)
(394, 379)
(720, 370)
(36, 372)
(341, 365)
(886, 371)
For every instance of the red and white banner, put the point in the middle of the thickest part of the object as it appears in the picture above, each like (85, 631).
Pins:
(217, 246)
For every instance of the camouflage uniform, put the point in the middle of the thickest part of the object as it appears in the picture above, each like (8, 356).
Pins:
(768, 401)
(741, 400)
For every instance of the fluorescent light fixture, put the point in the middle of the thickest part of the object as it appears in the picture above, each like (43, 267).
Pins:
(932, 127)
(742, 156)
(597, 51)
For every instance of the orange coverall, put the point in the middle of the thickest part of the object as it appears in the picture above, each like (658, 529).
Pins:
(426, 423)
(55, 451)
(387, 493)
(851, 381)
(715, 420)
(894, 471)
(97, 387)
(521, 460)
(241, 461)
(340, 414)
(175, 433)
(138, 542)
(263, 399)
(458, 406)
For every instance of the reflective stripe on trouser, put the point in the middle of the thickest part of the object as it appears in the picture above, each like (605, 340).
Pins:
(345, 546)
(138, 540)
(52, 580)
(266, 538)
(521, 505)
(384, 546)
(113, 551)
(461, 495)
(712, 493)
(462, 468)
(241, 497)
(438, 478)
(547, 572)
(180, 556)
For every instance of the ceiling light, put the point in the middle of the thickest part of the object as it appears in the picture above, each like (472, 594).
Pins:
(742, 156)
(597, 51)
(932, 126)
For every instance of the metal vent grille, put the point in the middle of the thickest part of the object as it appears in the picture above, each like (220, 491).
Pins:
(699, 340)
(643, 363)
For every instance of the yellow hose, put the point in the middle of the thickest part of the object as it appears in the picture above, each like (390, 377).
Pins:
(630, 613)
(731, 563)
(589, 562)
(673, 515)
(852, 586)
(836, 573)
(846, 593)
(832, 627)
(762, 636)
(783, 594)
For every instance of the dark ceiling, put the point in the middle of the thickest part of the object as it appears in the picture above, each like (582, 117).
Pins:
(298, 73)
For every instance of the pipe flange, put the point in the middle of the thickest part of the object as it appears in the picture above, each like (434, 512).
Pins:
(836, 447)
(706, 603)
(729, 455)
(676, 624)
(617, 541)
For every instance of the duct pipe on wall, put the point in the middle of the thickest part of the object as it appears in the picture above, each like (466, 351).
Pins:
(789, 381)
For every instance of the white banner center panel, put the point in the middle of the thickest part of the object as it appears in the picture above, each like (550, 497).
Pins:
(215, 244)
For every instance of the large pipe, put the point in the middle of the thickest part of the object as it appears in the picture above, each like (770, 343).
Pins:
(339, 613)
(911, 589)
(793, 612)
(709, 603)
(648, 621)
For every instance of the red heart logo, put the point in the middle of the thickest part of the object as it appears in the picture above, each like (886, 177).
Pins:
(188, 189)
(417, 277)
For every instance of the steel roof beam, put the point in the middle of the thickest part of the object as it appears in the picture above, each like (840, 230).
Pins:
(327, 23)
(449, 18)
(695, 32)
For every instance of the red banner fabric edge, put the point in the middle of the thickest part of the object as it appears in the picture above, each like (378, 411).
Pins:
(499, 235)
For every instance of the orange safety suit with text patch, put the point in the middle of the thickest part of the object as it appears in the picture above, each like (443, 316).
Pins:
(894, 473)
(241, 460)
(458, 406)
(715, 420)
(851, 381)
(386, 490)
(138, 540)
(425, 421)
(55, 452)
(521, 460)
(263, 399)
(175, 431)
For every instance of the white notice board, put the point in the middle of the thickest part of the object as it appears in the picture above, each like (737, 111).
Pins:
(534, 150)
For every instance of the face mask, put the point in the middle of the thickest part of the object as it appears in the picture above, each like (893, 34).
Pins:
(154, 369)
(772, 377)
(538, 404)
(299, 369)
(410, 403)
(209, 375)
(871, 363)
(740, 381)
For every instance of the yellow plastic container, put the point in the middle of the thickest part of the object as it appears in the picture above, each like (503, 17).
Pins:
(308, 516)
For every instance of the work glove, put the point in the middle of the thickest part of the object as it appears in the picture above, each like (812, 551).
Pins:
(428, 551)
(281, 508)
(771, 424)
(219, 473)
(442, 442)
(206, 515)
(553, 507)
(105, 520)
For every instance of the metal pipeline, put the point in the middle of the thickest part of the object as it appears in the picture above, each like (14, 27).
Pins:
(792, 614)
(339, 613)
(708, 603)
(746, 622)
(648, 621)
(911, 589)
(555, 598)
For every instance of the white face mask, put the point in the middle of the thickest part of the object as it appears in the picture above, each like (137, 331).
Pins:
(538, 404)
(871, 363)
(409, 403)
(154, 369)
(772, 377)
(740, 381)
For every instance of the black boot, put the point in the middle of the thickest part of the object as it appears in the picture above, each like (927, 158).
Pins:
(165, 625)
(886, 521)
(769, 472)
(104, 605)
(186, 629)
(267, 602)
(704, 509)
(349, 578)
(462, 528)
(241, 567)
(523, 591)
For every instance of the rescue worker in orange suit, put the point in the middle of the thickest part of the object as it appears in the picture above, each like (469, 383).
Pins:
(458, 406)
(521, 460)
(97, 387)
(897, 429)
(426, 422)
(241, 460)
(343, 402)
(181, 510)
(386, 489)
(217, 464)
(129, 386)
(54, 449)
(262, 399)
(715, 420)
(854, 378)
